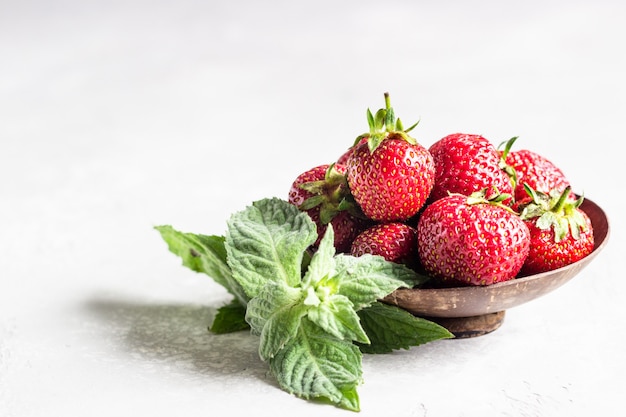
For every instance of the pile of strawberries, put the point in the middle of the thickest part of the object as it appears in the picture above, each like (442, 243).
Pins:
(463, 211)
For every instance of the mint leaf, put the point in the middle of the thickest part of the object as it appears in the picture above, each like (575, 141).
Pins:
(322, 263)
(205, 254)
(275, 315)
(337, 317)
(195, 251)
(266, 242)
(315, 365)
(230, 318)
(390, 328)
(367, 278)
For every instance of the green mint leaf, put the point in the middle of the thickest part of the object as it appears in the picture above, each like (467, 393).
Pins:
(322, 263)
(205, 254)
(229, 318)
(315, 365)
(266, 242)
(367, 278)
(275, 314)
(336, 316)
(199, 253)
(390, 328)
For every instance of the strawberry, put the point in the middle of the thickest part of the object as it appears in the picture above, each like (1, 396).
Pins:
(534, 169)
(472, 240)
(390, 175)
(396, 242)
(343, 158)
(560, 232)
(323, 193)
(466, 163)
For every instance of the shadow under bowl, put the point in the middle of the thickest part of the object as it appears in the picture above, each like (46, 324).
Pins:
(476, 310)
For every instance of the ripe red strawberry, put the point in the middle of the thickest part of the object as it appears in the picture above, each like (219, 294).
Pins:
(391, 175)
(472, 240)
(343, 158)
(466, 163)
(560, 232)
(396, 242)
(323, 193)
(534, 169)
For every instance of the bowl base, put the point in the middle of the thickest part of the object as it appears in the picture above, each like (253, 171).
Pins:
(466, 327)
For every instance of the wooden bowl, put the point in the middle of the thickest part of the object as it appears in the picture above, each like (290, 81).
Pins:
(477, 310)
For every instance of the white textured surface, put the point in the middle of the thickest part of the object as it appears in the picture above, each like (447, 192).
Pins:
(117, 116)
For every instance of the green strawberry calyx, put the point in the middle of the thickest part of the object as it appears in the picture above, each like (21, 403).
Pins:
(492, 196)
(506, 147)
(332, 195)
(555, 211)
(384, 124)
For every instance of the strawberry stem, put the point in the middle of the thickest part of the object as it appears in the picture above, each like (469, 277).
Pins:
(510, 171)
(562, 200)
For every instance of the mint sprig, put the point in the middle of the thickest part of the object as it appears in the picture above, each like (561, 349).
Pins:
(314, 315)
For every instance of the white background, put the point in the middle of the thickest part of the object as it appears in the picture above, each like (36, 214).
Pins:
(116, 116)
